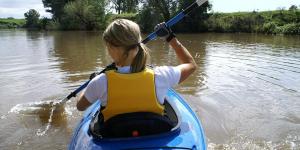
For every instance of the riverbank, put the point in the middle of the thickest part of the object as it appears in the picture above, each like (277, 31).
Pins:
(267, 22)
(11, 23)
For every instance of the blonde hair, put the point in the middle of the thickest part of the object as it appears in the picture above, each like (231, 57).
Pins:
(127, 35)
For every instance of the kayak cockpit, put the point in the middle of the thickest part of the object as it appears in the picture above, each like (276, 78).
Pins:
(136, 124)
(187, 132)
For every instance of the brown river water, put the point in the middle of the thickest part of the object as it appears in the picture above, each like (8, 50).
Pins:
(246, 90)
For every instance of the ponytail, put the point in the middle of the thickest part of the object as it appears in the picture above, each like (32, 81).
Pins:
(139, 62)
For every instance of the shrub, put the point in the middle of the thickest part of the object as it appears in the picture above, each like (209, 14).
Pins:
(292, 28)
(269, 27)
(53, 25)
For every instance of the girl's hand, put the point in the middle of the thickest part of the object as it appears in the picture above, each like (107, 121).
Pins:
(163, 31)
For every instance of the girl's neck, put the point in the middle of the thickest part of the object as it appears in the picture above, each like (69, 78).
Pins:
(127, 61)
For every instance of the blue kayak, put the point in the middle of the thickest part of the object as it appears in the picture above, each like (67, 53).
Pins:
(181, 130)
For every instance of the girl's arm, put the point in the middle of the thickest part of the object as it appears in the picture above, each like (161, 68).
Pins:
(82, 103)
(187, 62)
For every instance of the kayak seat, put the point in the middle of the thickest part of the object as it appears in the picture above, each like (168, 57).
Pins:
(136, 124)
(133, 124)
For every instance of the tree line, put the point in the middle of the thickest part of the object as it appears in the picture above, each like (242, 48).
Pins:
(96, 14)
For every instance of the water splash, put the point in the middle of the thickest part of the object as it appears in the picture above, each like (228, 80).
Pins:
(41, 132)
(45, 110)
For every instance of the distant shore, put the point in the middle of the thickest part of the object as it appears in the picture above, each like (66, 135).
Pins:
(11, 23)
(266, 22)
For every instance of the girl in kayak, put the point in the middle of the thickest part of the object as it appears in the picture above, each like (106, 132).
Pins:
(133, 87)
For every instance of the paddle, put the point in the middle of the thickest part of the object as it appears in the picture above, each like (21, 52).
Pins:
(150, 37)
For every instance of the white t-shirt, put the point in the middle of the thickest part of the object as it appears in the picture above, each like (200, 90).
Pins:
(165, 78)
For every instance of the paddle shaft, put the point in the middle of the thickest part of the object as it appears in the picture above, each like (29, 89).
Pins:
(150, 37)
(176, 19)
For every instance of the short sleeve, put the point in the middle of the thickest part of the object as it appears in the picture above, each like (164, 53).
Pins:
(169, 74)
(96, 89)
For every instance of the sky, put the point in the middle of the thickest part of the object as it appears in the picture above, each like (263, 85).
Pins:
(17, 8)
(250, 5)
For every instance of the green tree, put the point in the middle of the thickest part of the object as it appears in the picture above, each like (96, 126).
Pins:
(44, 22)
(164, 7)
(85, 14)
(195, 21)
(117, 4)
(293, 8)
(130, 6)
(55, 7)
(155, 11)
(32, 18)
(125, 6)
(146, 20)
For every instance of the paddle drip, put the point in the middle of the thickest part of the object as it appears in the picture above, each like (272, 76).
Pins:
(42, 133)
(53, 108)
(48, 112)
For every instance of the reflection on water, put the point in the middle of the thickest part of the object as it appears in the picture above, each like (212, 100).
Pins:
(246, 89)
(78, 53)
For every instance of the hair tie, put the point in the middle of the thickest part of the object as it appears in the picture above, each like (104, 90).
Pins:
(139, 46)
(134, 46)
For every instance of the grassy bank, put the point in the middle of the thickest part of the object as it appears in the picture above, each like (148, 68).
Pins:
(9, 23)
(269, 22)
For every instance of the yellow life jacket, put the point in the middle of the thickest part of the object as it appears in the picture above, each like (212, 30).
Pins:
(134, 92)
